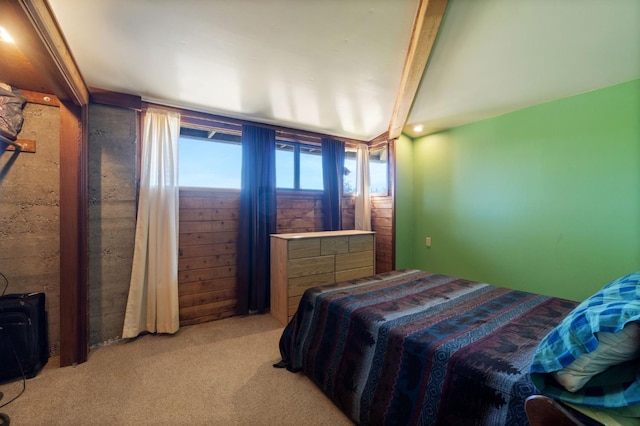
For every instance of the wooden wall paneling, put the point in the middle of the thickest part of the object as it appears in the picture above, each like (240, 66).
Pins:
(382, 224)
(207, 277)
(348, 212)
(208, 261)
(191, 251)
(209, 297)
(206, 274)
(199, 314)
(382, 202)
(209, 225)
(299, 212)
(203, 286)
(206, 238)
(196, 214)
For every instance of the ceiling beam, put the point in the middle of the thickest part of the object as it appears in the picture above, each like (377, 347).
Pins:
(425, 30)
(384, 137)
(35, 30)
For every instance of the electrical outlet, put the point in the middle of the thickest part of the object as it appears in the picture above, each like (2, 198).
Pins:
(427, 241)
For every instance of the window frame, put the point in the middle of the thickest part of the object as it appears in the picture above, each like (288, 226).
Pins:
(296, 165)
(383, 145)
(386, 146)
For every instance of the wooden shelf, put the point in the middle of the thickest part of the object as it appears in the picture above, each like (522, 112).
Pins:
(26, 145)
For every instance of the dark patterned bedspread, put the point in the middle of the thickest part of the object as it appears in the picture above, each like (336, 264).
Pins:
(412, 347)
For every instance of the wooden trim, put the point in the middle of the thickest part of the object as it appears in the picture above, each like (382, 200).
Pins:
(300, 193)
(122, 100)
(392, 193)
(33, 26)
(74, 201)
(40, 98)
(197, 191)
(425, 30)
(378, 144)
(83, 238)
(199, 122)
(384, 137)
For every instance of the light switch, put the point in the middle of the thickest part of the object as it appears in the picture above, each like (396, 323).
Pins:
(427, 241)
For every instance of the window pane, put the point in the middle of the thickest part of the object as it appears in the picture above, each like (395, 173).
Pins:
(284, 166)
(378, 171)
(209, 163)
(311, 168)
(349, 178)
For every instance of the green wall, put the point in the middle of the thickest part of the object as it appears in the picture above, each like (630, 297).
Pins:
(545, 199)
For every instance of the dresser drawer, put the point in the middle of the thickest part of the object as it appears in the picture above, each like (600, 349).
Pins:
(302, 261)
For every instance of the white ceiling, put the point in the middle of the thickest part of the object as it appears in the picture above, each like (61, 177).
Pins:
(334, 66)
(331, 66)
(497, 56)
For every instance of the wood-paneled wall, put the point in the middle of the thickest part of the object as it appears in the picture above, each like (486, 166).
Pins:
(382, 224)
(348, 212)
(207, 254)
(207, 277)
(299, 212)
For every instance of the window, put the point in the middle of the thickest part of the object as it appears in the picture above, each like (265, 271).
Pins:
(209, 159)
(349, 178)
(378, 171)
(298, 166)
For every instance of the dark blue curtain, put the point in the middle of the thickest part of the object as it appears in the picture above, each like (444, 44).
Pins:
(257, 218)
(332, 172)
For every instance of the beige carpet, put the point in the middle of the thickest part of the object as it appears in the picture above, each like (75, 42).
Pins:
(219, 373)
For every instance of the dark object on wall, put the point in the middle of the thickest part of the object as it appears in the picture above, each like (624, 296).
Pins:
(12, 103)
(24, 346)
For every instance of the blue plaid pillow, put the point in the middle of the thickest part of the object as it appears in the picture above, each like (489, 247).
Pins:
(609, 310)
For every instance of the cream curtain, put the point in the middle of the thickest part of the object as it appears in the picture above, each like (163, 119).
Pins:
(153, 293)
(363, 201)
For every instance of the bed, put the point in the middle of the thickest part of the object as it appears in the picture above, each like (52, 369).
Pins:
(413, 347)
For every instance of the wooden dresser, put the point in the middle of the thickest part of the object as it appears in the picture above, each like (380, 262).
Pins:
(301, 261)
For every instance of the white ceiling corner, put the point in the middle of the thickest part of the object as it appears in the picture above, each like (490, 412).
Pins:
(496, 56)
